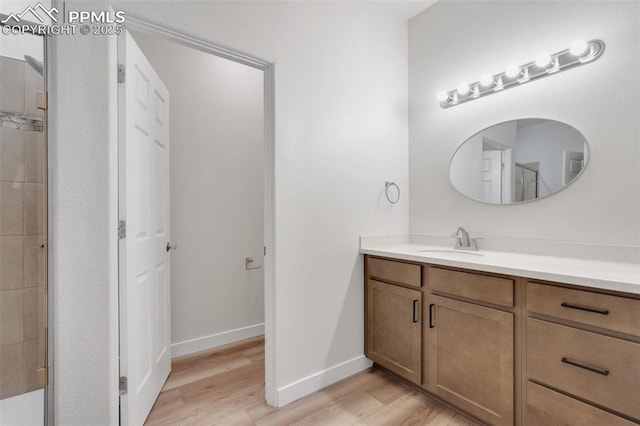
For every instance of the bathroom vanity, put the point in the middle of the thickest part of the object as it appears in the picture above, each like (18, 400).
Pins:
(508, 338)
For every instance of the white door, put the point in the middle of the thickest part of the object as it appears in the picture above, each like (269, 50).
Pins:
(572, 163)
(492, 176)
(145, 351)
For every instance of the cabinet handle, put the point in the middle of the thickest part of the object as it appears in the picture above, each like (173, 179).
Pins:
(431, 325)
(585, 308)
(584, 366)
(415, 311)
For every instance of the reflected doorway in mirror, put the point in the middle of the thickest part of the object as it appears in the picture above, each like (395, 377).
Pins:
(518, 161)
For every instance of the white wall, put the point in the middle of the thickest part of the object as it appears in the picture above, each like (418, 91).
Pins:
(466, 167)
(456, 41)
(341, 131)
(26, 409)
(84, 222)
(504, 134)
(465, 170)
(17, 46)
(217, 144)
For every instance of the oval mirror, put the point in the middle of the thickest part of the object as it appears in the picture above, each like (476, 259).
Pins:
(519, 160)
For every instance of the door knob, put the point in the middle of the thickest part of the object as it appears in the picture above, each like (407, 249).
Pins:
(171, 246)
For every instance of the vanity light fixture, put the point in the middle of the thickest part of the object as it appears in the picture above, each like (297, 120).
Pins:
(543, 60)
(485, 81)
(580, 52)
(512, 71)
(578, 48)
(463, 89)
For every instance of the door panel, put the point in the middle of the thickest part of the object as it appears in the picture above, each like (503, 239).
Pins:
(394, 328)
(572, 164)
(469, 358)
(144, 289)
(492, 176)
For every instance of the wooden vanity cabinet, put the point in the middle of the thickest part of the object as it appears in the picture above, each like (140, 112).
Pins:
(390, 271)
(506, 350)
(393, 337)
(469, 348)
(546, 407)
(582, 347)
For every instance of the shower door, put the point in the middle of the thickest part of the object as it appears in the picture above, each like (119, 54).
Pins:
(526, 187)
(23, 226)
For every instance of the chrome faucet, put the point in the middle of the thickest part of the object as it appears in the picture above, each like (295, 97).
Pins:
(463, 241)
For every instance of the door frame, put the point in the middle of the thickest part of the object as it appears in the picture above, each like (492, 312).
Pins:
(143, 26)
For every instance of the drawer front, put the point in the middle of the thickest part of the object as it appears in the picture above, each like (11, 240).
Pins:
(546, 407)
(601, 369)
(498, 291)
(600, 310)
(397, 272)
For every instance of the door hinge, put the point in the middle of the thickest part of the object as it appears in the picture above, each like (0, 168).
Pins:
(265, 250)
(123, 385)
(41, 100)
(121, 74)
(122, 229)
(42, 376)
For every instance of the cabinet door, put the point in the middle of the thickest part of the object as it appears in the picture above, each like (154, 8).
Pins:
(469, 358)
(394, 329)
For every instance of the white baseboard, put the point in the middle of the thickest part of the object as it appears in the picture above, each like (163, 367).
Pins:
(215, 340)
(321, 379)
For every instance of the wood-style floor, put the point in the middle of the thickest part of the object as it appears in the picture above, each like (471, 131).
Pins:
(225, 386)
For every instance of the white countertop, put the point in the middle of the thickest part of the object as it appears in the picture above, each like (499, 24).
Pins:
(618, 276)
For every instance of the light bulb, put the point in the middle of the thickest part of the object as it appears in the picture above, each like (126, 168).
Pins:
(442, 96)
(486, 80)
(512, 71)
(543, 60)
(463, 89)
(579, 48)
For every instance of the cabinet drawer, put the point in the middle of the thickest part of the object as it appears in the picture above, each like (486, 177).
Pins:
(398, 272)
(600, 310)
(546, 407)
(498, 291)
(601, 369)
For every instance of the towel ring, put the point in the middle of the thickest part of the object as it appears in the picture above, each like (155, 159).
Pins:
(388, 185)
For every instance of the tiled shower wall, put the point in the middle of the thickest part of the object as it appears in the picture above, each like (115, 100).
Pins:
(22, 234)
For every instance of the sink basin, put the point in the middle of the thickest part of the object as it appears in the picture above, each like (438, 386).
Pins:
(443, 251)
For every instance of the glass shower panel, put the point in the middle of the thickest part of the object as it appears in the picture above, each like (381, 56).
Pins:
(23, 213)
(526, 183)
(530, 183)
